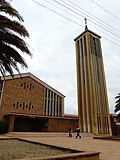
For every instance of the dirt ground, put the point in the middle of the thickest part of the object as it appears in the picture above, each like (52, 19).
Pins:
(15, 149)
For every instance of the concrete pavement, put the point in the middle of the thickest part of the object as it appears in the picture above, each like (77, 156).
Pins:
(110, 149)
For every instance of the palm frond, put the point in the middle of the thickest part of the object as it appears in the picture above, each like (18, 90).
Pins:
(117, 106)
(6, 23)
(9, 51)
(12, 39)
(11, 42)
(117, 97)
(8, 9)
(118, 101)
(5, 63)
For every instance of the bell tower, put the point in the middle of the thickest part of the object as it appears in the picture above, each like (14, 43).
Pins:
(93, 109)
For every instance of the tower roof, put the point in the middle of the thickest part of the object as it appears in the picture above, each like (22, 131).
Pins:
(87, 30)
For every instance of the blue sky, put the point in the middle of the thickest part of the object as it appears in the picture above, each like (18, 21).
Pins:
(52, 42)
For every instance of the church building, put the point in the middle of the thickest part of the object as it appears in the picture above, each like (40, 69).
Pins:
(30, 105)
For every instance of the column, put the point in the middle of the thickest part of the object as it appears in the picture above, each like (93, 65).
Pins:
(11, 123)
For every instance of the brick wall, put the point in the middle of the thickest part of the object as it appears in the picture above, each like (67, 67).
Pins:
(22, 95)
(62, 125)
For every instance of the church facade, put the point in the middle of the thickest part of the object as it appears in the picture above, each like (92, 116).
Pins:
(29, 104)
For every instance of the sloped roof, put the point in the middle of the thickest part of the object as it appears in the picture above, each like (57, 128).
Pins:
(23, 75)
(87, 30)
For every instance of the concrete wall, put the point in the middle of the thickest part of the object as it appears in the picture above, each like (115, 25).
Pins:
(77, 156)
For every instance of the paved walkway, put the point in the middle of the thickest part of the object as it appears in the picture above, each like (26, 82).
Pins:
(110, 149)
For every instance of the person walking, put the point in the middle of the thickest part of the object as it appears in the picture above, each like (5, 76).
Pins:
(70, 132)
(78, 133)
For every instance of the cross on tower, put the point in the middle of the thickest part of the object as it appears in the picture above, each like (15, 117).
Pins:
(86, 24)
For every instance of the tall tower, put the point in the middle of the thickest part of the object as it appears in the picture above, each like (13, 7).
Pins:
(93, 110)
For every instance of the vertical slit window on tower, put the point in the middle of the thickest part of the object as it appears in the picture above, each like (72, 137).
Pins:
(81, 46)
(85, 47)
(97, 47)
(78, 48)
(92, 39)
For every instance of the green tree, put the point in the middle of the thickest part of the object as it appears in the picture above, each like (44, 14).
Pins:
(12, 44)
(117, 106)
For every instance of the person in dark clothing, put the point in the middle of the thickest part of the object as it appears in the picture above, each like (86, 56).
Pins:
(70, 132)
(78, 132)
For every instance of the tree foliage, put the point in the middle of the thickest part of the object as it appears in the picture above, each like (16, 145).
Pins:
(12, 44)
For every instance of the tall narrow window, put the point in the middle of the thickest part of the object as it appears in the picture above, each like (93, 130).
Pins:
(24, 85)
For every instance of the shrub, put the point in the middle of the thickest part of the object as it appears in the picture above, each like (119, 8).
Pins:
(3, 127)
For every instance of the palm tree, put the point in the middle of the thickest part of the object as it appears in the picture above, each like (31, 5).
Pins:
(11, 42)
(117, 106)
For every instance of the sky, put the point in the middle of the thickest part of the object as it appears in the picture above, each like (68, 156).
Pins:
(53, 25)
